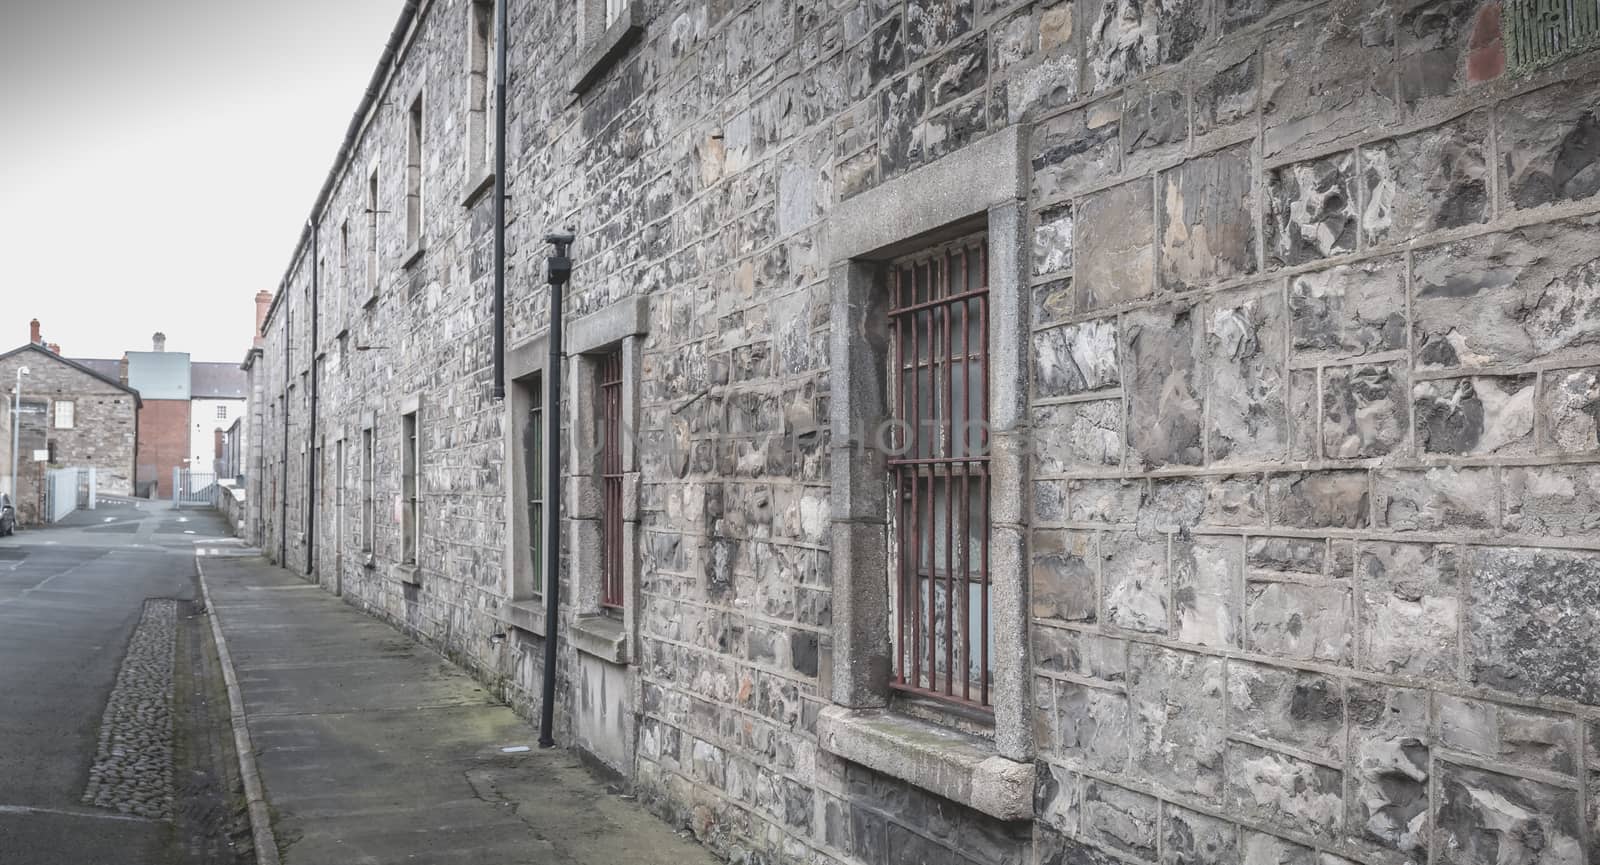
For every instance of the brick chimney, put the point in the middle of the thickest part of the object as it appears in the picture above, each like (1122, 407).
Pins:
(158, 342)
(122, 370)
(33, 332)
(55, 347)
(263, 303)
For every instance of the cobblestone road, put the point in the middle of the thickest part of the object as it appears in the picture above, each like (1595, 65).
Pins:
(132, 770)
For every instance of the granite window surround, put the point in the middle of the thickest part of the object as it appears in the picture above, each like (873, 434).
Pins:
(980, 186)
(408, 569)
(603, 42)
(599, 632)
(524, 608)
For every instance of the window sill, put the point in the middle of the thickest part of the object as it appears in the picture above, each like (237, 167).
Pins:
(411, 575)
(413, 255)
(525, 616)
(477, 186)
(601, 636)
(611, 45)
(956, 766)
(372, 299)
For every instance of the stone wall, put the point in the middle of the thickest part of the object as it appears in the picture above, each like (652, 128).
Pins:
(1307, 450)
(103, 432)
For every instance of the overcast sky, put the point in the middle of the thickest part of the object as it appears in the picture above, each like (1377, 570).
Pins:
(158, 159)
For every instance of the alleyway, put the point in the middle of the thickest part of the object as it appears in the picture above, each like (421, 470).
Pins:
(374, 749)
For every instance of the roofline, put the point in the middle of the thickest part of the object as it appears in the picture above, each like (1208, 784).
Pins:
(137, 400)
(387, 66)
(250, 358)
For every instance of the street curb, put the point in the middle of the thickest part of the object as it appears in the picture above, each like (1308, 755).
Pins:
(266, 843)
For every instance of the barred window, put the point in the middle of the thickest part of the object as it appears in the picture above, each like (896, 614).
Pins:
(940, 467)
(608, 407)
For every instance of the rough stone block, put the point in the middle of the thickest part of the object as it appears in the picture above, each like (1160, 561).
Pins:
(1305, 436)
(1531, 622)
(1236, 501)
(1514, 297)
(1176, 719)
(1074, 150)
(1300, 709)
(1207, 219)
(1080, 653)
(1263, 849)
(1285, 791)
(1076, 358)
(1058, 799)
(1326, 75)
(1350, 310)
(1049, 502)
(1389, 766)
(1288, 555)
(1426, 181)
(1511, 735)
(1248, 385)
(1134, 573)
(1077, 436)
(1311, 210)
(1092, 726)
(1475, 416)
(1445, 45)
(1225, 87)
(1550, 144)
(1364, 411)
(1437, 499)
(1191, 838)
(1409, 606)
(1569, 404)
(1554, 501)
(1319, 500)
(1126, 38)
(1115, 247)
(1122, 819)
(1155, 117)
(1165, 410)
(1064, 583)
(1485, 817)
(1052, 241)
(1048, 81)
(1171, 505)
(1298, 621)
(1110, 500)
(1205, 572)
(1052, 302)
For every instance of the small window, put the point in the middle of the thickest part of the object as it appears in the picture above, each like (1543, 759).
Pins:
(608, 408)
(410, 466)
(368, 498)
(372, 234)
(222, 412)
(414, 127)
(65, 414)
(533, 463)
(344, 271)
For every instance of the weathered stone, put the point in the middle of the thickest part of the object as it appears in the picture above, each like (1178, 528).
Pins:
(1245, 361)
(1350, 310)
(1077, 436)
(1064, 576)
(1166, 414)
(1437, 499)
(1205, 572)
(1155, 117)
(1531, 623)
(1509, 734)
(1092, 726)
(1081, 654)
(1569, 403)
(1285, 791)
(1305, 413)
(1236, 501)
(1127, 37)
(1225, 87)
(1171, 505)
(1320, 500)
(1426, 181)
(1049, 502)
(1116, 235)
(1121, 819)
(1311, 210)
(1553, 501)
(1055, 848)
(1293, 555)
(1299, 709)
(1326, 75)
(1389, 750)
(1076, 358)
(1409, 607)
(1176, 719)
(1364, 411)
(1112, 500)
(1190, 838)
(1298, 621)
(1475, 416)
(1134, 574)
(1052, 240)
(1485, 817)
(932, 24)
(1436, 40)
(1514, 297)
(1075, 149)
(1550, 144)
(1207, 220)
(1263, 849)
(1057, 798)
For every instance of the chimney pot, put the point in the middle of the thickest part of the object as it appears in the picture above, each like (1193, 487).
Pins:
(33, 332)
(159, 341)
(263, 303)
(55, 347)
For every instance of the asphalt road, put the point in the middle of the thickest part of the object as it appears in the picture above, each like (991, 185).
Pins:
(70, 597)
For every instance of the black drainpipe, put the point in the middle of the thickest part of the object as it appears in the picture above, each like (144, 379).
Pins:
(559, 270)
(500, 199)
(311, 440)
(283, 495)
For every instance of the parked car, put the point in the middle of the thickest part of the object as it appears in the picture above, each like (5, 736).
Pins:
(8, 516)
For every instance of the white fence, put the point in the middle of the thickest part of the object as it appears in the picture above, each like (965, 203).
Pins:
(198, 489)
(66, 490)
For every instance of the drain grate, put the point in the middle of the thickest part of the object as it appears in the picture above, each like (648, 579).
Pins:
(1540, 32)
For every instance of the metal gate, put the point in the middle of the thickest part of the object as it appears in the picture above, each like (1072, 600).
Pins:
(191, 488)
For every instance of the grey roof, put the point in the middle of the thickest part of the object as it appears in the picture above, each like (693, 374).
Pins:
(77, 365)
(210, 380)
(110, 368)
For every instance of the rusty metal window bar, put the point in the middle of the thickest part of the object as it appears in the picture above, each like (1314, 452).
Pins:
(608, 402)
(533, 454)
(939, 323)
(1540, 32)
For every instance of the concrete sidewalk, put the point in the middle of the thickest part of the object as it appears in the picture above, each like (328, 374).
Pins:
(374, 749)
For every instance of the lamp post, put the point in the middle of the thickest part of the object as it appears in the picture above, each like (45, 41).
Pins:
(16, 426)
(558, 270)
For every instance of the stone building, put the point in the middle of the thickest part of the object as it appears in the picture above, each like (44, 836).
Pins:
(1215, 381)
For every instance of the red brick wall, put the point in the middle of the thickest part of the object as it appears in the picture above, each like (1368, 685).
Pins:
(163, 442)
